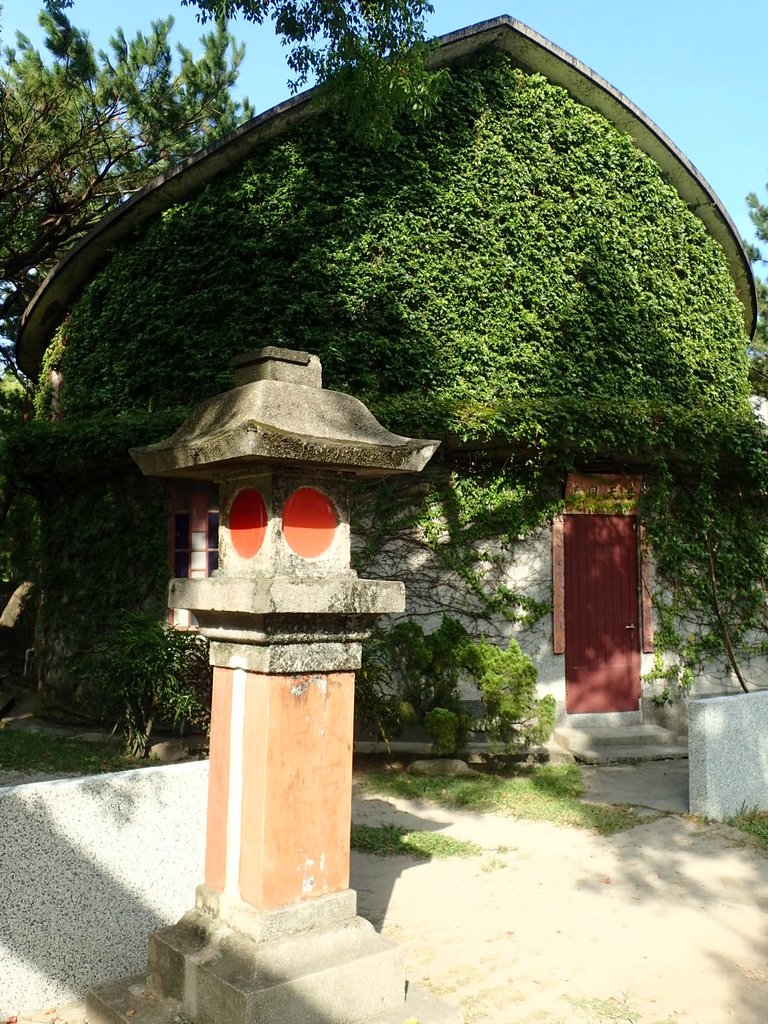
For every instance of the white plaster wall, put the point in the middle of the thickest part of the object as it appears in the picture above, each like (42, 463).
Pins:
(526, 567)
(89, 868)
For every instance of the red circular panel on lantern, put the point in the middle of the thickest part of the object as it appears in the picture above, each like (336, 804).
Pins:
(248, 522)
(309, 522)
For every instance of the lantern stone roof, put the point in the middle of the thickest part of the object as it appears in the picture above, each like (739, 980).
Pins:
(528, 50)
(280, 414)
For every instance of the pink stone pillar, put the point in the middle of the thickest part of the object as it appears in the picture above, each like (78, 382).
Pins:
(279, 805)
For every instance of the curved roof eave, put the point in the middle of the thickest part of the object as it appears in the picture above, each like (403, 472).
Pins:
(529, 51)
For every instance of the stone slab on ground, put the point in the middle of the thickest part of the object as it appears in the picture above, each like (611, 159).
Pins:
(661, 785)
(629, 755)
(619, 744)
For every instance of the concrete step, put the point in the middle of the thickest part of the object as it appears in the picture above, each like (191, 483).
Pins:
(630, 754)
(131, 1000)
(619, 744)
(593, 737)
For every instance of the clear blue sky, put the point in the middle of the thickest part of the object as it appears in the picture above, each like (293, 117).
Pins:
(696, 67)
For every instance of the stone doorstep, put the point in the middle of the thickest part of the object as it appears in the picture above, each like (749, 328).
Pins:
(207, 973)
(573, 737)
(625, 744)
(629, 754)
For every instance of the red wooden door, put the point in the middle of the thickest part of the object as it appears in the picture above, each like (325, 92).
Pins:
(602, 628)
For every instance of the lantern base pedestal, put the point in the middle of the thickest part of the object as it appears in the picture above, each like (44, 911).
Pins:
(204, 971)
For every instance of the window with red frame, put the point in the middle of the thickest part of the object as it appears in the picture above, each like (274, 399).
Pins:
(194, 535)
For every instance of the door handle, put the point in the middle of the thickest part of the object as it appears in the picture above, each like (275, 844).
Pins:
(630, 626)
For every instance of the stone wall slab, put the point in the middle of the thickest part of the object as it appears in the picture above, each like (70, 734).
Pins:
(728, 754)
(89, 868)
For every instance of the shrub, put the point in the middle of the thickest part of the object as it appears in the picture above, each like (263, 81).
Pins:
(150, 672)
(447, 729)
(506, 680)
(406, 670)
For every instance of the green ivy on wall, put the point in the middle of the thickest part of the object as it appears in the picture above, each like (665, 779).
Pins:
(512, 275)
(106, 550)
(515, 247)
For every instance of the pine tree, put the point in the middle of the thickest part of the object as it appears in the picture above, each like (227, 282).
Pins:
(80, 131)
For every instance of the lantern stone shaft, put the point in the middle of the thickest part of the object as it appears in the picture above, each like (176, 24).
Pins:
(274, 933)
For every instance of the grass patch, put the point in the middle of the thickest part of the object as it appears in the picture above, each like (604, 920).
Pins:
(603, 1011)
(389, 840)
(550, 792)
(755, 824)
(26, 750)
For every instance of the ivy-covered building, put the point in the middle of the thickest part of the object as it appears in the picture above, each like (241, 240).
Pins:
(534, 273)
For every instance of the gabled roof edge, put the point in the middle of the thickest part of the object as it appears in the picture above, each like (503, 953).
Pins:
(529, 50)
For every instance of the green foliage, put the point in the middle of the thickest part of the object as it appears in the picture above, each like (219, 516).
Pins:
(379, 709)
(513, 248)
(27, 750)
(406, 668)
(105, 538)
(755, 824)
(708, 528)
(447, 730)
(429, 665)
(758, 213)
(550, 792)
(506, 680)
(467, 521)
(369, 58)
(103, 529)
(150, 671)
(36, 451)
(19, 526)
(511, 275)
(408, 676)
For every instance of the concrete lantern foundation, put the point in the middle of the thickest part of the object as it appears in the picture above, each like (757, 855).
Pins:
(286, 1001)
(309, 962)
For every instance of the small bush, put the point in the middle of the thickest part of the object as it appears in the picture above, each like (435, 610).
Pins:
(447, 730)
(506, 680)
(149, 672)
(408, 675)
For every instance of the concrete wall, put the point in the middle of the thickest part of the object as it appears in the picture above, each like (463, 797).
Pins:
(89, 868)
(728, 754)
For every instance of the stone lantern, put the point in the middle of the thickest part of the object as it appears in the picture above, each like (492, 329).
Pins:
(274, 935)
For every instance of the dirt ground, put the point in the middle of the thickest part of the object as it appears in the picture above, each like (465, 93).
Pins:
(662, 924)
